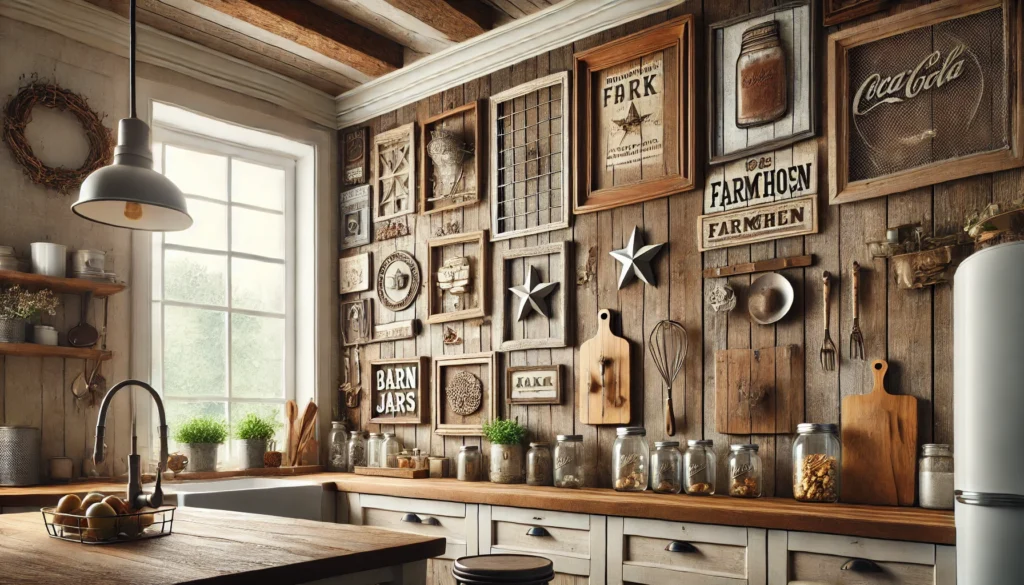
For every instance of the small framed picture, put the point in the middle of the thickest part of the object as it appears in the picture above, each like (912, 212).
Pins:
(354, 273)
(354, 212)
(356, 322)
(533, 384)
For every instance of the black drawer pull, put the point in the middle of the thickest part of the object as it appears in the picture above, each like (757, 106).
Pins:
(861, 566)
(431, 521)
(537, 531)
(680, 547)
(413, 518)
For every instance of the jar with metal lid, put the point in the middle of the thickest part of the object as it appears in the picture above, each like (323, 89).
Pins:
(667, 468)
(338, 452)
(469, 464)
(568, 461)
(817, 459)
(356, 450)
(373, 450)
(701, 464)
(935, 477)
(630, 455)
(745, 471)
(390, 447)
(538, 464)
(761, 77)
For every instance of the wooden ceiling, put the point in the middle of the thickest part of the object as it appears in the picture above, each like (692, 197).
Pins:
(332, 45)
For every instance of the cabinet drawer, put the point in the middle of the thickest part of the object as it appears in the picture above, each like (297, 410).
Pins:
(573, 542)
(455, 522)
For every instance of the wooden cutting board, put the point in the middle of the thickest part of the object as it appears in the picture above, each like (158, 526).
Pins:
(759, 391)
(607, 405)
(879, 445)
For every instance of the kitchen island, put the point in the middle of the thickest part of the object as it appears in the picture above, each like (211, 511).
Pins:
(217, 547)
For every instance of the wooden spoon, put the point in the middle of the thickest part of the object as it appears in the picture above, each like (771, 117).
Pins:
(291, 412)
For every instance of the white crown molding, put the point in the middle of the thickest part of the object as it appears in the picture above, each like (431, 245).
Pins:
(107, 31)
(554, 27)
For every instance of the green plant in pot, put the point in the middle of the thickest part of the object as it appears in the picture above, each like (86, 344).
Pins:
(253, 434)
(201, 436)
(506, 438)
(18, 307)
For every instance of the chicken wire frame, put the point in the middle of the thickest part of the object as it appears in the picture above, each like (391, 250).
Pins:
(506, 316)
(496, 187)
(394, 138)
(479, 278)
(472, 196)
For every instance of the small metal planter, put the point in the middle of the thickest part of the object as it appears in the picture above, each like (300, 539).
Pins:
(250, 453)
(12, 331)
(507, 464)
(202, 456)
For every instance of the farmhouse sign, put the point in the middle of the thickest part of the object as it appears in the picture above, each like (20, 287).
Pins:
(533, 385)
(785, 173)
(399, 390)
(791, 217)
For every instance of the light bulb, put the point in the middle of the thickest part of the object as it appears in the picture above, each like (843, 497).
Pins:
(133, 210)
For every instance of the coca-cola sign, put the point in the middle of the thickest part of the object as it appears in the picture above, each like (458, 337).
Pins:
(934, 71)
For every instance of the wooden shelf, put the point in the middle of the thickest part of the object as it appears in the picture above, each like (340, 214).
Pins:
(37, 350)
(74, 286)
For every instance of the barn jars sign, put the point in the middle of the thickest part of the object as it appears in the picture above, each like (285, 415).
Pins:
(399, 390)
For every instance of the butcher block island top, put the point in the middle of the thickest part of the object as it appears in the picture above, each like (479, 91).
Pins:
(208, 546)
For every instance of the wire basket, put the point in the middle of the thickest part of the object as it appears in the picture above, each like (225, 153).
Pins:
(149, 523)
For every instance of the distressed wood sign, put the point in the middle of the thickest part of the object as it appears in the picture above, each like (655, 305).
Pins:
(791, 217)
(838, 11)
(451, 160)
(355, 142)
(398, 390)
(759, 391)
(355, 217)
(765, 178)
(394, 172)
(533, 384)
(395, 331)
(354, 273)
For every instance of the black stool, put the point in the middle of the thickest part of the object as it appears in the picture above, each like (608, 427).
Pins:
(503, 570)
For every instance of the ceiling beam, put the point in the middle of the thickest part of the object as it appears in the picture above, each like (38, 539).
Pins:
(317, 29)
(459, 20)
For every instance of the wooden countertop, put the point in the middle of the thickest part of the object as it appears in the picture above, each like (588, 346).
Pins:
(211, 546)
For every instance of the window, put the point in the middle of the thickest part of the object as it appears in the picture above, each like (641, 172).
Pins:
(223, 291)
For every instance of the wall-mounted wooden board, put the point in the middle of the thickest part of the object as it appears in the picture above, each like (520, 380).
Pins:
(551, 263)
(749, 225)
(604, 383)
(759, 391)
(394, 173)
(398, 390)
(464, 393)
(784, 173)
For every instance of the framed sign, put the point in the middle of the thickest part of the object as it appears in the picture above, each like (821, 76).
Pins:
(355, 217)
(463, 393)
(356, 322)
(839, 11)
(785, 173)
(398, 390)
(761, 92)
(398, 281)
(457, 273)
(634, 118)
(355, 142)
(533, 384)
(535, 293)
(761, 223)
(451, 160)
(394, 172)
(354, 273)
(929, 95)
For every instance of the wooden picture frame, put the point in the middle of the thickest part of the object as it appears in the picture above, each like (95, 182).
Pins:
(482, 367)
(394, 173)
(356, 322)
(398, 272)
(835, 12)
(522, 178)
(354, 217)
(797, 29)
(354, 273)
(535, 331)
(942, 134)
(602, 116)
(545, 394)
(382, 385)
(443, 306)
(465, 122)
(355, 162)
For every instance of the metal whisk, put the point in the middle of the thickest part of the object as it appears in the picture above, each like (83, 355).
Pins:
(668, 348)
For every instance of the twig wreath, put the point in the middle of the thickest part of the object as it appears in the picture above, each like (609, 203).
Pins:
(18, 114)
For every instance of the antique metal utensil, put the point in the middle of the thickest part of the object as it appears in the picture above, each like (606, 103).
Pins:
(856, 337)
(83, 334)
(668, 348)
(828, 348)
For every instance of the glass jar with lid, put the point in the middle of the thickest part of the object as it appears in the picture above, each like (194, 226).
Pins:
(419, 460)
(745, 471)
(935, 477)
(404, 460)
(390, 447)
(469, 464)
(356, 450)
(538, 464)
(667, 468)
(817, 459)
(568, 461)
(630, 455)
(373, 450)
(338, 453)
(700, 463)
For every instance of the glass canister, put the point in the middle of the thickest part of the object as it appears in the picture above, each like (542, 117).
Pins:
(701, 464)
(373, 450)
(935, 477)
(390, 447)
(356, 450)
(761, 92)
(568, 461)
(538, 464)
(469, 464)
(817, 459)
(338, 455)
(667, 468)
(419, 460)
(630, 455)
(745, 471)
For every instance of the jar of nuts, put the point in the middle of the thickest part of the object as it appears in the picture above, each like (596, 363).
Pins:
(568, 461)
(700, 463)
(744, 471)
(630, 455)
(667, 468)
(817, 457)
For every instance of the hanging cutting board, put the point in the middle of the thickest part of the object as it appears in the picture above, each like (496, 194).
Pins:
(759, 391)
(879, 445)
(604, 402)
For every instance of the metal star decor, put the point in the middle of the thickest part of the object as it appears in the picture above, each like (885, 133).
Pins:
(532, 294)
(636, 259)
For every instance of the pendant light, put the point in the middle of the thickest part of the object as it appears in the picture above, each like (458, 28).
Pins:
(129, 193)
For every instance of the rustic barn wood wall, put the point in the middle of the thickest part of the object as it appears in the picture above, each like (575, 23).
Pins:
(911, 329)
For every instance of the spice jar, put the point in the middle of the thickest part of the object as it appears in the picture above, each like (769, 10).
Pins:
(817, 456)
(404, 460)
(419, 460)
(700, 463)
(568, 461)
(935, 477)
(761, 79)
(338, 454)
(744, 471)
(667, 468)
(469, 463)
(390, 447)
(538, 464)
(356, 450)
(373, 450)
(629, 459)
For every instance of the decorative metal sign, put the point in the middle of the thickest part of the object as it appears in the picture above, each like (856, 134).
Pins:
(398, 390)
(792, 217)
(398, 281)
(765, 178)
(533, 385)
(355, 217)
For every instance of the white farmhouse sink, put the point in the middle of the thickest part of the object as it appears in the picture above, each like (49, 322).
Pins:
(257, 495)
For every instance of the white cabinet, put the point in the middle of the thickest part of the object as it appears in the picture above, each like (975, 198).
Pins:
(455, 521)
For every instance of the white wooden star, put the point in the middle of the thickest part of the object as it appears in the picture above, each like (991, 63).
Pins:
(636, 259)
(532, 294)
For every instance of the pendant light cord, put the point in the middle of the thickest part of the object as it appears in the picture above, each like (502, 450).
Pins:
(131, 57)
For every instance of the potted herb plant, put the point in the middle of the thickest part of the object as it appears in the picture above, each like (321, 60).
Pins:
(18, 307)
(506, 438)
(202, 437)
(253, 434)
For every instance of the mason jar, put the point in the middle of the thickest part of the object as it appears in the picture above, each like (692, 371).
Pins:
(568, 461)
(338, 454)
(404, 460)
(356, 450)
(817, 459)
(745, 471)
(630, 455)
(419, 460)
(538, 464)
(935, 477)
(373, 450)
(700, 463)
(469, 463)
(667, 468)
(390, 447)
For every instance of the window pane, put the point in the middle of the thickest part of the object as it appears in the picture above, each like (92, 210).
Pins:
(158, 157)
(257, 232)
(257, 356)
(274, 411)
(255, 184)
(156, 268)
(195, 278)
(257, 286)
(195, 352)
(209, 230)
(197, 173)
